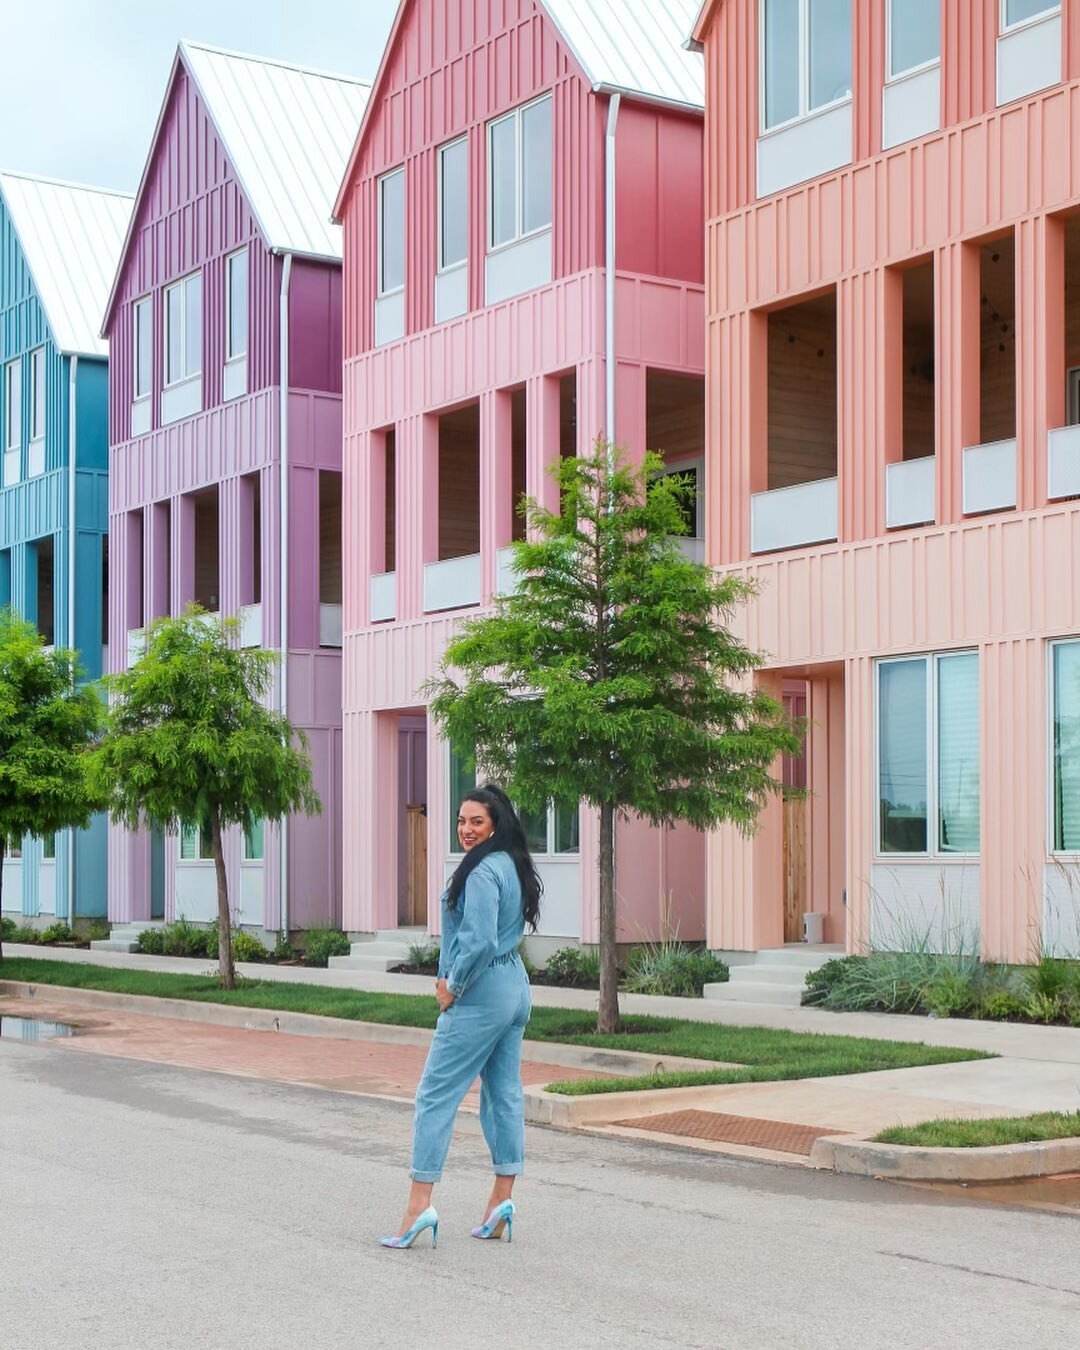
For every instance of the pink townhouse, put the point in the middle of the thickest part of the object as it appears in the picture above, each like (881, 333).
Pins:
(523, 272)
(224, 325)
(893, 370)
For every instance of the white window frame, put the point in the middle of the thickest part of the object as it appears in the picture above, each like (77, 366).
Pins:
(13, 404)
(515, 115)
(142, 304)
(805, 112)
(1064, 855)
(180, 284)
(892, 76)
(37, 392)
(382, 181)
(441, 265)
(933, 852)
(232, 259)
(1003, 17)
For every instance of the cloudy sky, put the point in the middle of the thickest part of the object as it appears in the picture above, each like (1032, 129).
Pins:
(81, 81)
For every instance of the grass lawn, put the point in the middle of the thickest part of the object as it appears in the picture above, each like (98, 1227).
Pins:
(985, 1133)
(761, 1053)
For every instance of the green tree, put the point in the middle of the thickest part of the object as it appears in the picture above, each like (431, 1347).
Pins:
(611, 676)
(47, 722)
(190, 741)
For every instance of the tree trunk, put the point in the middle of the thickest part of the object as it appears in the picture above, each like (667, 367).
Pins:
(225, 957)
(608, 1016)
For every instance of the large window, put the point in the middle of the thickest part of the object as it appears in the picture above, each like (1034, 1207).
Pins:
(37, 394)
(195, 844)
(928, 754)
(236, 305)
(914, 35)
(253, 839)
(1014, 12)
(141, 346)
(1065, 673)
(392, 232)
(183, 329)
(555, 830)
(453, 203)
(806, 57)
(519, 169)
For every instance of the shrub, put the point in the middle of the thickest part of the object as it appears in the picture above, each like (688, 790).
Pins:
(578, 967)
(821, 983)
(56, 932)
(424, 954)
(952, 994)
(183, 938)
(1052, 978)
(7, 930)
(24, 933)
(1001, 1005)
(98, 929)
(672, 968)
(247, 947)
(530, 969)
(151, 941)
(321, 942)
(283, 948)
(1045, 1007)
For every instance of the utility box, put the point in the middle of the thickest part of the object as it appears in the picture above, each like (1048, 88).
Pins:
(813, 928)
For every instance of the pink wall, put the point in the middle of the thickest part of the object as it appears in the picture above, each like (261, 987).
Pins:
(659, 190)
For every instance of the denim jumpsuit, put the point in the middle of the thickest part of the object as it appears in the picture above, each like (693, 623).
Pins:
(481, 1031)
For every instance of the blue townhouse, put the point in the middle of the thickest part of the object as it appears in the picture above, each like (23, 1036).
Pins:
(59, 246)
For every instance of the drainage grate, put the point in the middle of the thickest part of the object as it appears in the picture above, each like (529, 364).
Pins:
(781, 1135)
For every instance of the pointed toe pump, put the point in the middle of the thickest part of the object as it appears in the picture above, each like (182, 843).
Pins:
(502, 1216)
(429, 1219)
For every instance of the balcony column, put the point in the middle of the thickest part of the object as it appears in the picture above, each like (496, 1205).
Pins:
(364, 488)
(737, 413)
(496, 490)
(631, 410)
(183, 537)
(1040, 351)
(542, 427)
(157, 565)
(861, 369)
(234, 548)
(957, 357)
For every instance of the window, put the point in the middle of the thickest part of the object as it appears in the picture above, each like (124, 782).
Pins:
(913, 35)
(140, 316)
(12, 406)
(183, 329)
(253, 840)
(195, 844)
(453, 203)
(14, 849)
(1065, 732)
(1015, 12)
(519, 173)
(928, 754)
(392, 232)
(37, 394)
(48, 848)
(553, 831)
(806, 57)
(236, 304)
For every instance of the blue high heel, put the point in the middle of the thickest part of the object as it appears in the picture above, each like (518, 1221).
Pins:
(502, 1216)
(429, 1219)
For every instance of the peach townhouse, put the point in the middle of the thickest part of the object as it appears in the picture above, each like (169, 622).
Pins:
(523, 271)
(893, 400)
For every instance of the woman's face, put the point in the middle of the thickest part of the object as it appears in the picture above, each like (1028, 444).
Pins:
(474, 824)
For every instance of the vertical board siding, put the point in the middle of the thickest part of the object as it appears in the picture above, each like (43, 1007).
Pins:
(659, 189)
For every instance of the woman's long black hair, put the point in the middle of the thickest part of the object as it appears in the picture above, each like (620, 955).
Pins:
(508, 836)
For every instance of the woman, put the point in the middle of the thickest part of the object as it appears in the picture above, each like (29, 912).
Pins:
(483, 995)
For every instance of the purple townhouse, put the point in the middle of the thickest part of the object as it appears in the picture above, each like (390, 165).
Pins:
(224, 328)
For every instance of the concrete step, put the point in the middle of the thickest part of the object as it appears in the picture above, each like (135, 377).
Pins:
(395, 949)
(778, 995)
(408, 936)
(371, 963)
(792, 975)
(111, 944)
(124, 937)
(798, 954)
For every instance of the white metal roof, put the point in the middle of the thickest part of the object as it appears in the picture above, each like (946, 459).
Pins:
(637, 46)
(287, 133)
(71, 238)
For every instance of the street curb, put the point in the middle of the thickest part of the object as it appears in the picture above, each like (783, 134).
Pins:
(607, 1108)
(312, 1024)
(905, 1162)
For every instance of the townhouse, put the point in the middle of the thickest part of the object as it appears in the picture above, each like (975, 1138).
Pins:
(523, 272)
(224, 323)
(59, 244)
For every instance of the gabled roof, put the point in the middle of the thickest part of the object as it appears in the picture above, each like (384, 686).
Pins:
(286, 132)
(634, 47)
(71, 237)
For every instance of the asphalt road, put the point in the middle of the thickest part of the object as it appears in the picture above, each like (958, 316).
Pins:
(150, 1207)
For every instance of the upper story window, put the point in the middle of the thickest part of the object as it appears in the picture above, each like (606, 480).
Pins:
(519, 173)
(1016, 12)
(140, 346)
(453, 203)
(183, 329)
(913, 35)
(37, 394)
(236, 305)
(392, 232)
(806, 57)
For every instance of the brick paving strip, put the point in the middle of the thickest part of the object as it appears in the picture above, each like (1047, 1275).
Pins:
(375, 1068)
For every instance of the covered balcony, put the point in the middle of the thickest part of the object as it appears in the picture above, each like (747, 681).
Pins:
(989, 468)
(452, 577)
(910, 495)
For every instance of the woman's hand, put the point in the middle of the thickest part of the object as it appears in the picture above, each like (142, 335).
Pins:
(443, 994)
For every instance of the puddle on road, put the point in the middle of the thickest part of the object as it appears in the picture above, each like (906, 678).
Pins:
(32, 1029)
(1061, 1192)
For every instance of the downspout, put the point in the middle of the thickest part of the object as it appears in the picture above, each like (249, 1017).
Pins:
(609, 268)
(283, 563)
(73, 370)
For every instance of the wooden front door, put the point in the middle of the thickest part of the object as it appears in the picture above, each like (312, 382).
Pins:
(415, 865)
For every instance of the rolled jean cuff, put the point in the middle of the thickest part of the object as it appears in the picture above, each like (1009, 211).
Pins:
(431, 1177)
(511, 1169)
